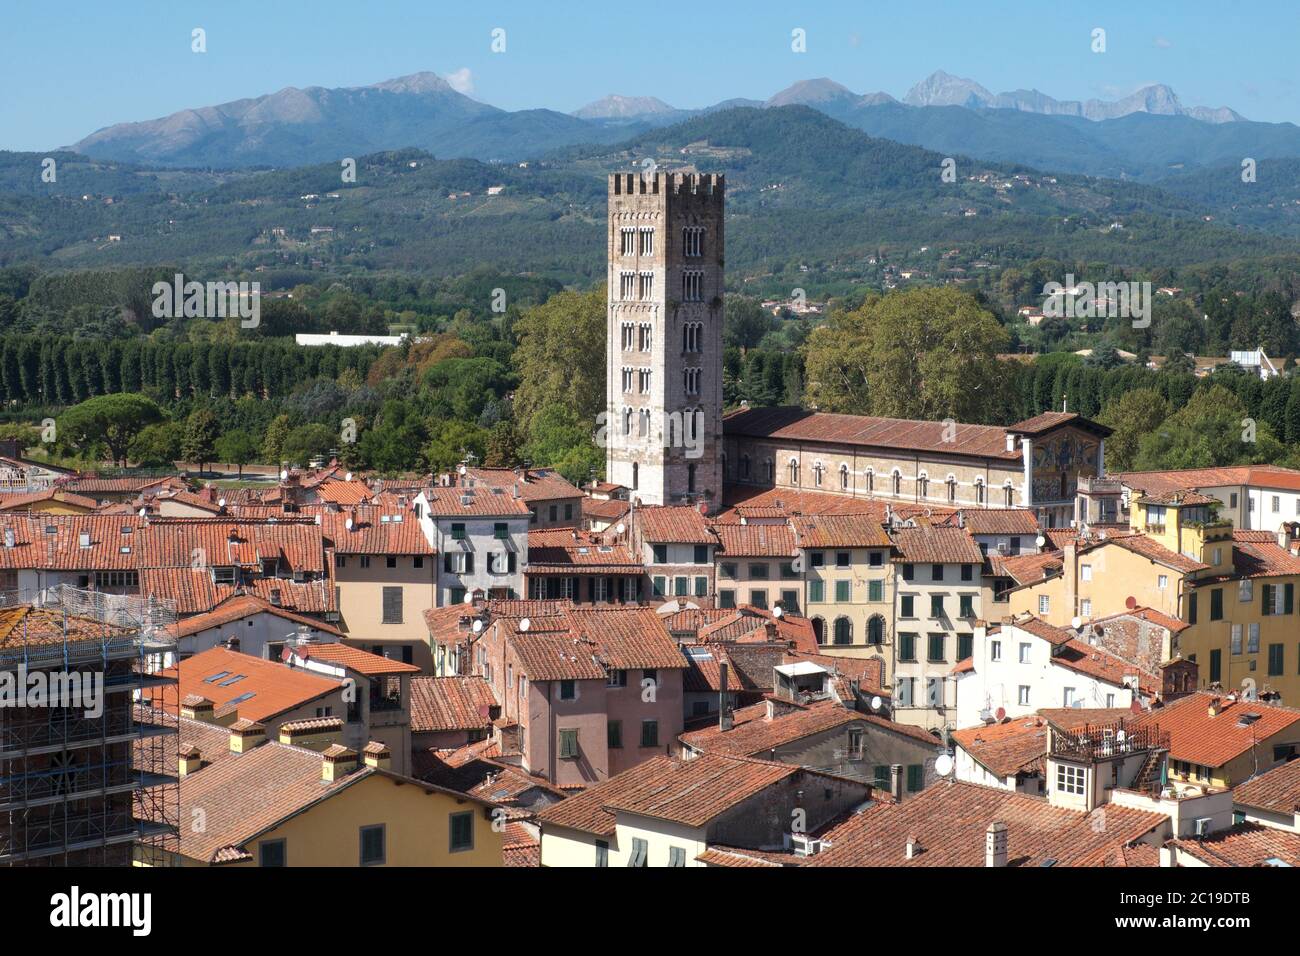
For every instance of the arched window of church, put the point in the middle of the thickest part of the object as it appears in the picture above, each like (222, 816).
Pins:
(844, 477)
(871, 480)
(636, 476)
(1008, 495)
(794, 472)
(818, 469)
(769, 471)
(897, 481)
(979, 491)
(952, 489)
(923, 485)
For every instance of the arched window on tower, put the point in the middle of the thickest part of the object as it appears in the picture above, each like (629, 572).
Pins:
(1008, 495)
(896, 482)
(923, 485)
(871, 481)
(818, 469)
(979, 491)
(844, 477)
(951, 484)
(794, 472)
(636, 476)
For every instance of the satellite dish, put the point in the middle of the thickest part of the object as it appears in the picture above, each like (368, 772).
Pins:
(525, 624)
(620, 528)
(943, 765)
(1121, 736)
(1040, 541)
(1076, 622)
(469, 597)
(284, 475)
(876, 703)
(1001, 713)
(348, 524)
(778, 611)
(221, 502)
(476, 626)
(461, 470)
(1130, 602)
(144, 512)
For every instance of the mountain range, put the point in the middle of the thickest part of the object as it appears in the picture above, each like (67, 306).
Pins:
(1146, 135)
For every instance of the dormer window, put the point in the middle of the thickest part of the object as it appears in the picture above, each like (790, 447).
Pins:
(223, 575)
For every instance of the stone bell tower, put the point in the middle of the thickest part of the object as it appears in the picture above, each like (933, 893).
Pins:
(664, 337)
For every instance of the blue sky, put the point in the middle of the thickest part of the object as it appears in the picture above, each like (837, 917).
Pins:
(72, 68)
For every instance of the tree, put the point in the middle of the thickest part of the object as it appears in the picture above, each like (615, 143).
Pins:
(236, 447)
(1131, 416)
(744, 322)
(561, 356)
(1212, 429)
(559, 439)
(450, 441)
(111, 420)
(273, 441)
(157, 446)
(201, 433)
(926, 353)
(307, 442)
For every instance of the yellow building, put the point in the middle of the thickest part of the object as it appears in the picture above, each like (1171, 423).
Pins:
(849, 584)
(251, 803)
(51, 501)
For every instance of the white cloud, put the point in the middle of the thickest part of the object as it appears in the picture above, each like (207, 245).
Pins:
(1164, 43)
(462, 80)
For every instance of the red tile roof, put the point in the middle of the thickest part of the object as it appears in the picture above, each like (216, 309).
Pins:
(54, 542)
(1049, 421)
(545, 656)
(353, 658)
(1152, 550)
(1277, 790)
(754, 733)
(841, 531)
(274, 688)
(25, 502)
(674, 524)
(1264, 476)
(1196, 737)
(237, 608)
(627, 638)
(755, 540)
(373, 530)
(1246, 844)
(936, 546)
(483, 502)
(1008, 521)
(686, 792)
(450, 703)
(1016, 745)
(1026, 568)
(535, 484)
(950, 819)
(564, 550)
(797, 424)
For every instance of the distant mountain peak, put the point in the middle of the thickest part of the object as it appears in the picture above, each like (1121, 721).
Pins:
(810, 92)
(944, 89)
(615, 106)
(422, 82)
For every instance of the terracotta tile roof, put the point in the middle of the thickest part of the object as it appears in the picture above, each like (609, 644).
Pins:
(869, 672)
(1048, 421)
(936, 546)
(519, 847)
(479, 750)
(343, 492)
(173, 542)
(1262, 559)
(1152, 550)
(604, 511)
(237, 608)
(92, 485)
(687, 792)
(194, 591)
(735, 857)
(547, 656)
(627, 638)
(950, 820)
(797, 424)
(1050, 633)
(23, 624)
(1277, 790)
(26, 502)
(1026, 568)
(450, 703)
(1176, 497)
(1264, 476)
(1072, 718)
(1085, 658)
(568, 550)
(753, 733)
(756, 540)
(274, 688)
(1246, 844)
(374, 530)
(749, 624)
(1150, 615)
(353, 658)
(675, 524)
(1011, 521)
(485, 502)
(1196, 737)
(841, 531)
(535, 484)
(1016, 745)
(54, 542)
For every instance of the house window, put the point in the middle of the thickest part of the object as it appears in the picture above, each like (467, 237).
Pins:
(816, 592)
(907, 647)
(458, 532)
(1024, 653)
(1069, 779)
(965, 646)
(639, 850)
(568, 744)
(935, 649)
(967, 608)
(1044, 604)
(659, 553)
(1023, 697)
(649, 733)
(701, 554)
(727, 599)
(995, 650)
(676, 856)
(758, 599)
(614, 735)
(906, 605)
(462, 831)
(271, 853)
(843, 631)
(936, 605)
(372, 845)
(842, 592)
(568, 690)
(602, 853)
(915, 777)
(392, 605)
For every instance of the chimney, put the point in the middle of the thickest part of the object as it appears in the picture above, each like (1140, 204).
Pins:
(197, 708)
(896, 781)
(377, 756)
(1215, 707)
(9, 537)
(1011, 442)
(771, 709)
(314, 733)
(191, 761)
(246, 734)
(912, 849)
(724, 712)
(995, 845)
(337, 762)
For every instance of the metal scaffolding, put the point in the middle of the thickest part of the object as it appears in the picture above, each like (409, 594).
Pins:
(79, 787)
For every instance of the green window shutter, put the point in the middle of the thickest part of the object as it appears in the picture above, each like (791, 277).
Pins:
(568, 743)
(659, 584)
(882, 775)
(614, 734)
(1288, 598)
(843, 592)
(816, 591)
(649, 733)
(915, 777)
(907, 606)
(701, 586)
(875, 590)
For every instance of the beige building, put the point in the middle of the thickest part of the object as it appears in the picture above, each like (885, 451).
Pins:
(1035, 464)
